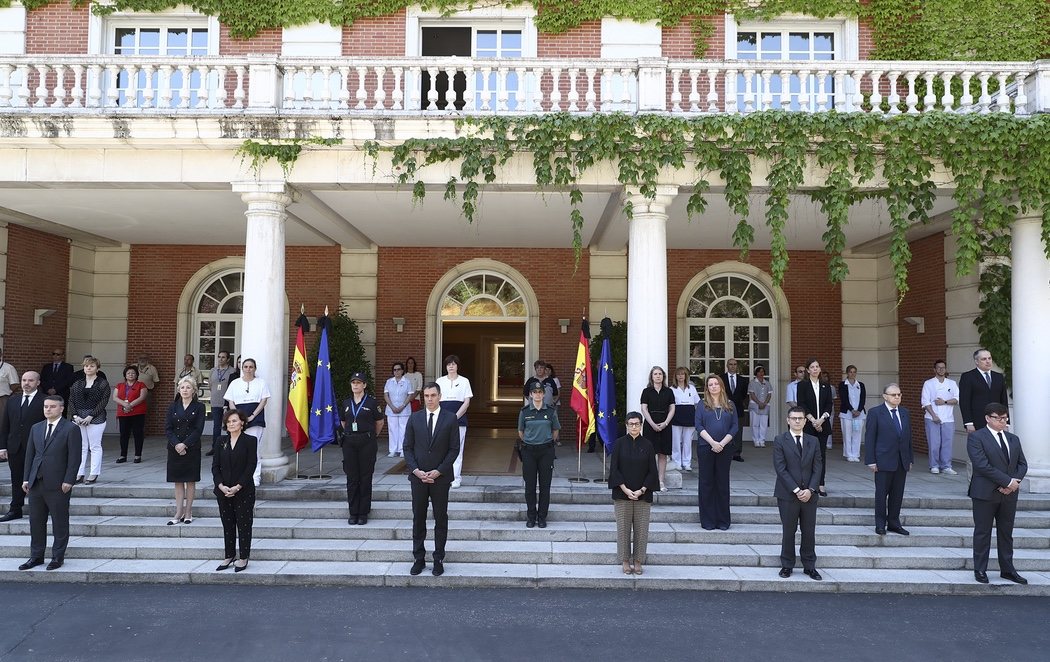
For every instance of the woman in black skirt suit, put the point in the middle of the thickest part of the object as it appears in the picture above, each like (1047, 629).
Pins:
(184, 426)
(817, 398)
(232, 469)
(658, 410)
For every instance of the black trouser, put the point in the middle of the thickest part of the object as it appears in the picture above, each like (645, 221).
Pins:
(822, 438)
(237, 514)
(17, 462)
(889, 493)
(42, 503)
(1001, 514)
(793, 515)
(537, 465)
(424, 494)
(131, 425)
(737, 447)
(713, 486)
(359, 463)
(216, 425)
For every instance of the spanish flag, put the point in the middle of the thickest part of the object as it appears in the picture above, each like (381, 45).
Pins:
(297, 415)
(582, 401)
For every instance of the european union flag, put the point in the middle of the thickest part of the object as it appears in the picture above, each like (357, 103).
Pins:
(606, 390)
(324, 410)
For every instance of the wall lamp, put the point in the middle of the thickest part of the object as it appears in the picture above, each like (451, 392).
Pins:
(399, 324)
(564, 324)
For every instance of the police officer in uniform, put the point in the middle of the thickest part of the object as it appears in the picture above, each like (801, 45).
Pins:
(362, 422)
(538, 428)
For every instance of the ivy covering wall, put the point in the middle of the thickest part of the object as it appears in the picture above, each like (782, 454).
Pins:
(993, 30)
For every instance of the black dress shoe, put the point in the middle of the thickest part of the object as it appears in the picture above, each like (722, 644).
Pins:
(530, 523)
(981, 577)
(10, 515)
(822, 493)
(31, 563)
(1014, 577)
(785, 572)
(899, 530)
(238, 568)
(352, 521)
(121, 460)
(880, 530)
(137, 460)
(417, 567)
(54, 565)
(541, 522)
(362, 520)
(439, 569)
(209, 453)
(737, 458)
(813, 574)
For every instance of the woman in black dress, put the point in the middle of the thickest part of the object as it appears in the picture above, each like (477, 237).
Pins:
(184, 426)
(632, 479)
(232, 468)
(658, 410)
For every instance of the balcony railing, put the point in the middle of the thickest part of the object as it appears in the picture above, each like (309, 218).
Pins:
(427, 86)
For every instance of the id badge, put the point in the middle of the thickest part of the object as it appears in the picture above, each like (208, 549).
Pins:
(353, 426)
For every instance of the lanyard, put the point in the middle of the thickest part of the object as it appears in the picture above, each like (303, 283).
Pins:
(357, 410)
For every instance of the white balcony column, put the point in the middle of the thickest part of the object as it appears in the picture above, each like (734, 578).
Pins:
(646, 289)
(1037, 88)
(263, 321)
(1030, 282)
(265, 83)
(652, 84)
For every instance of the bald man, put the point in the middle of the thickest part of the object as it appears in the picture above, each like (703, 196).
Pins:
(23, 412)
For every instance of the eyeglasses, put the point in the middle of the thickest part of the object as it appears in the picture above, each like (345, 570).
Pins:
(56, 353)
(633, 423)
(998, 418)
(796, 418)
(893, 395)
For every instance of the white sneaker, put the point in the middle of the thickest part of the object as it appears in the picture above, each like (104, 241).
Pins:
(830, 445)
(950, 471)
(456, 483)
(935, 470)
(391, 454)
(672, 466)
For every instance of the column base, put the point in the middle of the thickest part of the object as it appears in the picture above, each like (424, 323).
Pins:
(1037, 481)
(673, 480)
(275, 469)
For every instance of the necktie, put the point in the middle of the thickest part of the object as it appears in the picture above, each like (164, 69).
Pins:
(896, 420)
(1004, 447)
(988, 379)
(732, 382)
(54, 369)
(430, 425)
(25, 402)
(48, 435)
(798, 441)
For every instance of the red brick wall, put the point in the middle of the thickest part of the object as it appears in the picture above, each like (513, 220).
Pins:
(561, 293)
(159, 274)
(583, 41)
(814, 332)
(266, 42)
(37, 277)
(57, 27)
(678, 41)
(376, 37)
(917, 352)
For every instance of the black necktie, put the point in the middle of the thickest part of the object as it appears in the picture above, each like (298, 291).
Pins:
(798, 441)
(48, 435)
(1004, 447)
(25, 403)
(897, 421)
(430, 426)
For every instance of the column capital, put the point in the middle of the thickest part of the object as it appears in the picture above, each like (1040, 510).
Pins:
(665, 195)
(272, 191)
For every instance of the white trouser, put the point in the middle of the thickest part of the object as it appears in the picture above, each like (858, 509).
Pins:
(91, 441)
(457, 466)
(682, 445)
(759, 425)
(851, 439)
(257, 431)
(395, 429)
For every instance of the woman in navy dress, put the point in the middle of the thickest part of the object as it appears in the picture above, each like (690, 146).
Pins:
(716, 425)
(184, 426)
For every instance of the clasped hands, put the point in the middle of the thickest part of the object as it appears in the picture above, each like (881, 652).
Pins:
(633, 495)
(229, 491)
(804, 495)
(1011, 488)
(426, 476)
(180, 448)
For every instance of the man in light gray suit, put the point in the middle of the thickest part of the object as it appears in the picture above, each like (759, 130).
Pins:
(998, 468)
(52, 460)
(797, 461)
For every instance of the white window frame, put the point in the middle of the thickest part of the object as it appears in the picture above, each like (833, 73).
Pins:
(845, 28)
(483, 18)
(102, 29)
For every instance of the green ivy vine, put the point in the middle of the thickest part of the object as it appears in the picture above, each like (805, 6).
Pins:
(993, 322)
(285, 152)
(999, 162)
(988, 30)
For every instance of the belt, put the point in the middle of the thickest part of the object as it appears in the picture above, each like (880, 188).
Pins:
(546, 444)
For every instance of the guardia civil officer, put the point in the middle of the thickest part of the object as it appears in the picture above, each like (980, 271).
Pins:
(362, 422)
(538, 428)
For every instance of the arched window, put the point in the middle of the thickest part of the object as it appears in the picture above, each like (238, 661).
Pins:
(483, 295)
(730, 316)
(217, 318)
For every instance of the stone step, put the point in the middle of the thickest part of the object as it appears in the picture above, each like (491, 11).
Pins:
(385, 510)
(528, 575)
(16, 547)
(502, 530)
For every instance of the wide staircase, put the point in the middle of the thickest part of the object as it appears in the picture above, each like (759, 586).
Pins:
(119, 534)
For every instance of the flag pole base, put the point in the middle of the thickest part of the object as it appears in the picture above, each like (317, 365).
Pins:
(320, 475)
(578, 479)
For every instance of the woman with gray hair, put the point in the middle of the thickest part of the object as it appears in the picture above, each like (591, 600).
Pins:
(184, 426)
(633, 477)
(88, 399)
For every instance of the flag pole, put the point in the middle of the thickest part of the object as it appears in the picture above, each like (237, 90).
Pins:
(321, 475)
(603, 461)
(579, 454)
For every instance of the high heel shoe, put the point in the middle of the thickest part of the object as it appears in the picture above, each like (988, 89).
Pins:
(187, 520)
(238, 568)
(628, 569)
(638, 568)
(91, 480)
(175, 520)
(225, 565)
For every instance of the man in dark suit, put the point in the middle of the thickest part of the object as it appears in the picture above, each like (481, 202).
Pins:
(52, 460)
(56, 377)
(887, 452)
(431, 446)
(797, 462)
(998, 468)
(736, 389)
(23, 412)
(977, 388)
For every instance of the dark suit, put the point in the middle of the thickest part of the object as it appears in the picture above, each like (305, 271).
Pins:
(60, 380)
(990, 471)
(816, 407)
(48, 465)
(427, 452)
(801, 471)
(738, 397)
(975, 395)
(234, 466)
(889, 449)
(14, 437)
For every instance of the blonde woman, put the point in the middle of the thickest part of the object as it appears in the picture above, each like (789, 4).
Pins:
(88, 399)
(716, 425)
(184, 426)
(683, 424)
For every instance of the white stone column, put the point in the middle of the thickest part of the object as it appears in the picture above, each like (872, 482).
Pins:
(263, 322)
(1030, 318)
(646, 289)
